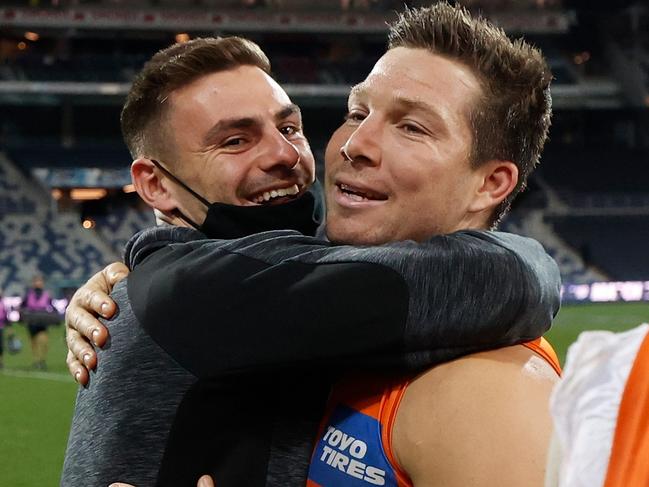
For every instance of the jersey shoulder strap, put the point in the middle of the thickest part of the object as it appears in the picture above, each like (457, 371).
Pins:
(543, 348)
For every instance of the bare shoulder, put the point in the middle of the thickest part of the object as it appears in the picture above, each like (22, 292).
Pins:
(481, 420)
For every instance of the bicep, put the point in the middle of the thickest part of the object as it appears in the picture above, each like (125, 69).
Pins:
(479, 421)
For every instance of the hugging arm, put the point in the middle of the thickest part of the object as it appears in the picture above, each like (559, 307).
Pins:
(411, 305)
(285, 300)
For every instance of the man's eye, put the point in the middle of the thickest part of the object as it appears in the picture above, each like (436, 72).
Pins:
(289, 130)
(234, 142)
(354, 116)
(410, 128)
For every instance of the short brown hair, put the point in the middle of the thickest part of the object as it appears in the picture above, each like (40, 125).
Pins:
(511, 120)
(169, 69)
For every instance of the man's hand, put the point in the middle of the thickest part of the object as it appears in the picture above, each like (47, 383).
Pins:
(204, 481)
(81, 324)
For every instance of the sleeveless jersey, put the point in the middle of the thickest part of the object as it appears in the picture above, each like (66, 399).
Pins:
(354, 447)
(38, 302)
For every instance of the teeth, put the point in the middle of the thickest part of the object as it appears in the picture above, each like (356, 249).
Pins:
(276, 193)
(351, 193)
(356, 197)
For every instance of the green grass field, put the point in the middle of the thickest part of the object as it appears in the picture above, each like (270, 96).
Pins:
(35, 413)
(36, 407)
(572, 320)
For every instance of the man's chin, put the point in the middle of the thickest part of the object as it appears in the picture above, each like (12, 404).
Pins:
(351, 234)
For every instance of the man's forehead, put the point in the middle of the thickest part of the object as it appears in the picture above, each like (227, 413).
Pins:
(419, 66)
(419, 79)
(238, 85)
(391, 85)
(398, 96)
(243, 92)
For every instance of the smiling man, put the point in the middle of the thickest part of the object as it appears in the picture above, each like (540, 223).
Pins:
(191, 123)
(404, 151)
(237, 341)
(423, 153)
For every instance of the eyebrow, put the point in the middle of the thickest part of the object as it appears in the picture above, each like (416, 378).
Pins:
(418, 105)
(358, 90)
(287, 111)
(408, 104)
(247, 122)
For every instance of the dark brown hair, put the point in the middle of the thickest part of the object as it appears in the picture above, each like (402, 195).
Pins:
(170, 69)
(510, 121)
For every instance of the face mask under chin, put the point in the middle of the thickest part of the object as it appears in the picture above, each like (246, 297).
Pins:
(303, 214)
(231, 221)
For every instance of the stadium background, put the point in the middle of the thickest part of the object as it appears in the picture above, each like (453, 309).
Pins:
(67, 208)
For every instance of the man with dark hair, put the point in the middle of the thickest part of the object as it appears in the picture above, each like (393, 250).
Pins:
(399, 168)
(161, 142)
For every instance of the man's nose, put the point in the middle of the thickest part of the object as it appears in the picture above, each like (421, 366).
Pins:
(363, 145)
(278, 151)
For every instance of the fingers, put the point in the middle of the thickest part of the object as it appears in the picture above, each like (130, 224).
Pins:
(79, 320)
(205, 481)
(77, 370)
(96, 299)
(82, 325)
(81, 349)
(115, 272)
(120, 484)
(93, 296)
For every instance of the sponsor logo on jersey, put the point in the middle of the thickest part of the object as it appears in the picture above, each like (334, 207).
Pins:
(349, 453)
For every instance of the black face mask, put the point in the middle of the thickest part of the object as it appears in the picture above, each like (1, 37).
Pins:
(303, 214)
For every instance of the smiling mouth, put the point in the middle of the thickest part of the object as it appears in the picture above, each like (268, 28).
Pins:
(277, 196)
(357, 194)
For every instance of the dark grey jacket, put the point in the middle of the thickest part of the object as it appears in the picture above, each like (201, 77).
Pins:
(223, 351)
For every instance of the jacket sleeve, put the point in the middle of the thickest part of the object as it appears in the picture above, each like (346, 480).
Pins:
(289, 301)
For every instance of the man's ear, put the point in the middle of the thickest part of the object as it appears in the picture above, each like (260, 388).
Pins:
(498, 180)
(151, 188)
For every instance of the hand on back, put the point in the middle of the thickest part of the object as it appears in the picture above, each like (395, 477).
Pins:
(82, 326)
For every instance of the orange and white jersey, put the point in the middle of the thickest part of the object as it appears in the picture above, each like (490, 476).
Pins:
(601, 406)
(354, 445)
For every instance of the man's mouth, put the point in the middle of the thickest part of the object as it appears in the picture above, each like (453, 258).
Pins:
(276, 196)
(360, 194)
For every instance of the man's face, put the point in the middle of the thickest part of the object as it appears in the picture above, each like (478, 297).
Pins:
(403, 171)
(238, 139)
